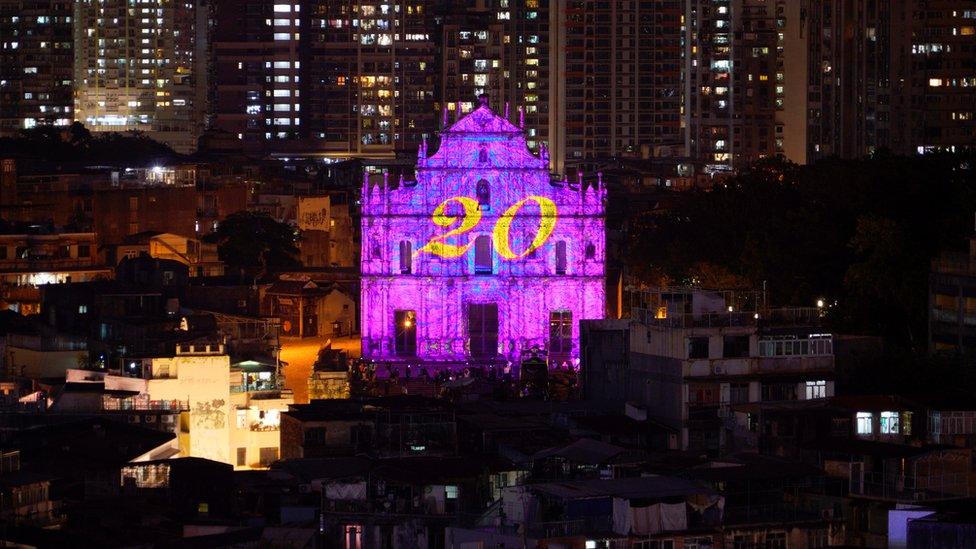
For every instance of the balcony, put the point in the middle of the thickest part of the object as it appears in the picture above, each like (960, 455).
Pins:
(568, 528)
(45, 344)
(793, 364)
(792, 316)
(55, 264)
(910, 488)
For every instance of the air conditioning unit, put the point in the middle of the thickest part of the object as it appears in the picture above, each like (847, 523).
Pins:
(827, 514)
(304, 488)
(718, 369)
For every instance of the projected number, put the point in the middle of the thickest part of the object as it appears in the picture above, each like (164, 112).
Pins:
(472, 216)
(501, 232)
(547, 223)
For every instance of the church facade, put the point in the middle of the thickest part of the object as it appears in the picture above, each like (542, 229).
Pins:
(482, 259)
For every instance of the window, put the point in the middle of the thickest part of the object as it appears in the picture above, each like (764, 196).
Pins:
(816, 389)
(739, 393)
(315, 436)
(483, 329)
(241, 457)
(561, 332)
(735, 346)
(654, 544)
(484, 195)
(778, 391)
(890, 424)
(482, 255)
(698, 543)
(697, 347)
(406, 257)
(561, 260)
(864, 421)
(268, 456)
(406, 333)
(451, 492)
(590, 251)
(84, 250)
(483, 155)
(775, 540)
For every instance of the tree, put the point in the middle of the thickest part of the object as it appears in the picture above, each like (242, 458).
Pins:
(255, 242)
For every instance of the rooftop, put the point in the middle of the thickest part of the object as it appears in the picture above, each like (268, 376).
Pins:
(652, 487)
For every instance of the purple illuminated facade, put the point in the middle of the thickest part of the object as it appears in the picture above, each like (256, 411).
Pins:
(482, 259)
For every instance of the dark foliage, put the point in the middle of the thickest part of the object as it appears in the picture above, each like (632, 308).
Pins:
(860, 233)
(253, 240)
(75, 144)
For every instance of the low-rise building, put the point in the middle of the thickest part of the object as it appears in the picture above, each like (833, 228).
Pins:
(384, 427)
(36, 256)
(199, 257)
(306, 309)
(952, 302)
(690, 355)
(234, 411)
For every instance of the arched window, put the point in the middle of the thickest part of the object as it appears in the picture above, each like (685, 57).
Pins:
(483, 155)
(406, 257)
(483, 191)
(561, 260)
(482, 255)
(375, 252)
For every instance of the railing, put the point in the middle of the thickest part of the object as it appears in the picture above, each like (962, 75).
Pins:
(954, 264)
(39, 343)
(795, 316)
(566, 528)
(49, 264)
(137, 404)
(902, 487)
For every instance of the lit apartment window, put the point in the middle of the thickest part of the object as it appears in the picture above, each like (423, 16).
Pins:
(864, 421)
(889, 423)
(816, 389)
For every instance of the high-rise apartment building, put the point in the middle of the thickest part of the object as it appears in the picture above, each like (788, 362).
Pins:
(256, 70)
(501, 49)
(890, 75)
(371, 79)
(849, 77)
(936, 74)
(733, 78)
(618, 66)
(371, 75)
(142, 66)
(35, 64)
